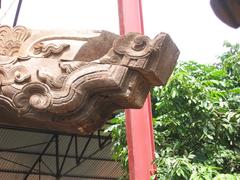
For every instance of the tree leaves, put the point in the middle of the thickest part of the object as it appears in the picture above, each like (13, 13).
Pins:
(196, 121)
(199, 108)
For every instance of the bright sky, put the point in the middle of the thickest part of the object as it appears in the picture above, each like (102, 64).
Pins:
(193, 26)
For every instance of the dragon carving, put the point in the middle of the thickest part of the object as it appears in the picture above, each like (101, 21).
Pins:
(74, 81)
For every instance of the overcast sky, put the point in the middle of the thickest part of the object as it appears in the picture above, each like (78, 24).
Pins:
(198, 33)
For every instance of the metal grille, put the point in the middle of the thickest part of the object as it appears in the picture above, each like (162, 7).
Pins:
(29, 154)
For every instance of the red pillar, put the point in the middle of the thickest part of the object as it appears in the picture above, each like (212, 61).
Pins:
(138, 122)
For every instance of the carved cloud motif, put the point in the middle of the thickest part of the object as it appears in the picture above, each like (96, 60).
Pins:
(32, 95)
(49, 49)
(73, 82)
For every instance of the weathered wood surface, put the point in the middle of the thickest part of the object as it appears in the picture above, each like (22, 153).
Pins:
(74, 81)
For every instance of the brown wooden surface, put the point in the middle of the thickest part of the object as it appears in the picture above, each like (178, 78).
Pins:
(74, 81)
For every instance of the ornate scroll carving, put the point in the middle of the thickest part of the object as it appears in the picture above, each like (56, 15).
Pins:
(49, 49)
(32, 95)
(74, 81)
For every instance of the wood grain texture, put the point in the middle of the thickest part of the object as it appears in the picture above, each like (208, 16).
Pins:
(74, 81)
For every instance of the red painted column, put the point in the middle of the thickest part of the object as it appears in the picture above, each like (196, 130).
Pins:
(138, 122)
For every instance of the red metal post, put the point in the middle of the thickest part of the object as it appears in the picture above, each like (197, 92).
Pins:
(138, 122)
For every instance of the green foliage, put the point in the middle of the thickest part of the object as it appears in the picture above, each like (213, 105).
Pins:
(196, 122)
(227, 177)
(120, 149)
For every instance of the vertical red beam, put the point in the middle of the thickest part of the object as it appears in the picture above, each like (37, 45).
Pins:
(138, 122)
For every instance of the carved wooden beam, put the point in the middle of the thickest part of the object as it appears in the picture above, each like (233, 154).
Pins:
(74, 81)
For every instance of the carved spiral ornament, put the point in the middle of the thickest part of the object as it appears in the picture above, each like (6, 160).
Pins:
(74, 81)
(133, 45)
(33, 96)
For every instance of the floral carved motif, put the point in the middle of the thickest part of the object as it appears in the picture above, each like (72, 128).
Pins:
(74, 81)
(11, 39)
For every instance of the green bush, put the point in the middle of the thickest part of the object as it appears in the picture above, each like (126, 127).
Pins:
(196, 122)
